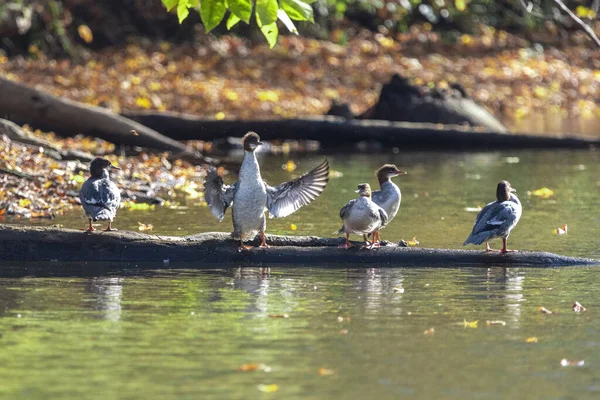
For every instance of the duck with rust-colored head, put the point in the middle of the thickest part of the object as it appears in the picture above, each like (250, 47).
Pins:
(362, 216)
(497, 219)
(100, 197)
(250, 196)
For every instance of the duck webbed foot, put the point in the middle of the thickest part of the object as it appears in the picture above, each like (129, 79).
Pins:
(488, 248)
(90, 228)
(504, 249)
(263, 243)
(346, 245)
(109, 228)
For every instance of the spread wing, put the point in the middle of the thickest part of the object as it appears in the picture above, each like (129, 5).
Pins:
(284, 199)
(218, 195)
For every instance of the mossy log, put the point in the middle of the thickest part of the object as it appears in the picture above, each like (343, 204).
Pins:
(334, 131)
(215, 249)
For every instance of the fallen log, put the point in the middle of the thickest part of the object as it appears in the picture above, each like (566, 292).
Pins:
(334, 131)
(26, 105)
(214, 249)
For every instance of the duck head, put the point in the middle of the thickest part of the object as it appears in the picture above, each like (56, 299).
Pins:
(251, 141)
(364, 190)
(99, 165)
(503, 191)
(388, 171)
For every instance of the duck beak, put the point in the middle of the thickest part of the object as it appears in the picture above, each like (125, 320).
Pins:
(357, 191)
(112, 166)
(513, 190)
(401, 173)
(259, 143)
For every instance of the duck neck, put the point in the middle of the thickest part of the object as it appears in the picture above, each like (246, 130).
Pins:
(250, 168)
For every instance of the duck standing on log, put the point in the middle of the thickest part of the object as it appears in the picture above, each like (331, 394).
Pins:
(250, 196)
(362, 216)
(497, 218)
(100, 198)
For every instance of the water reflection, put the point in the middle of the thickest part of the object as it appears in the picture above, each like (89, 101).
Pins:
(107, 293)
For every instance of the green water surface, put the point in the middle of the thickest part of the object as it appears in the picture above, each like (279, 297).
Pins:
(185, 334)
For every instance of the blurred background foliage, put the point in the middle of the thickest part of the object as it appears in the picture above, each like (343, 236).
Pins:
(60, 27)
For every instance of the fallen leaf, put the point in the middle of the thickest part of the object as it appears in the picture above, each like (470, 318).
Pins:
(544, 310)
(496, 322)
(145, 227)
(429, 331)
(473, 209)
(342, 319)
(268, 388)
(532, 339)
(278, 316)
(326, 372)
(293, 227)
(413, 241)
(343, 331)
(571, 363)
(85, 33)
(289, 166)
(543, 193)
(254, 367)
(562, 230)
(577, 307)
(468, 324)
(398, 289)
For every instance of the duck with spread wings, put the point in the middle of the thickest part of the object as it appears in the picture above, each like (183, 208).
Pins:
(250, 196)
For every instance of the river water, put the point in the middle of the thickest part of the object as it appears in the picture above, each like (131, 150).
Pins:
(319, 333)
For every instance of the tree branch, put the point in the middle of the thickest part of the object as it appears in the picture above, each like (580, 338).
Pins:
(588, 29)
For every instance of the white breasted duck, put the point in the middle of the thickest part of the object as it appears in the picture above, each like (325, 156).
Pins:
(362, 216)
(250, 196)
(99, 196)
(389, 195)
(497, 218)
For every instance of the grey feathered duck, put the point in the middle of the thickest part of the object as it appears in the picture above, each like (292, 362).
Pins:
(250, 196)
(362, 216)
(99, 196)
(497, 219)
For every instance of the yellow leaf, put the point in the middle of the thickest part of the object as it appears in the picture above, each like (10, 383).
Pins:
(267, 95)
(468, 324)
(293, 227)
(413, 241)
(268, 388)
(220, 116)
(562, 230)
(231, 95)
(429, 331)
(326, 372)
(543, 193)
(143, 103)
(289, 166)
(85, 33)
(145, 227)
(532, 339)
(24, 203)
(460, 5)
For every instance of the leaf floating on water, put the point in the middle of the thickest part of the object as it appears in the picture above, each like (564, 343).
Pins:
(532, 339)
(268, 388)
(342, 319)
(278, 316)
(571, 363)
(468, 324)
(289, 166)
(544, 310)
(145, 227)
(429, 331)
(254, 367)
(413, 241)
(473, 209)
(543, 193)
(562, 230)
(326, 372)
(343, 331)
(495, 322)
(577, 307)
(293, 227)
(398, 289)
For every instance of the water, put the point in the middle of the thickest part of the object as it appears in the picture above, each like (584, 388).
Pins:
(185, 334)
(436, 191)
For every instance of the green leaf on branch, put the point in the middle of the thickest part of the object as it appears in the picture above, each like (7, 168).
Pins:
(170, 4)
(232, 21)
(283, 17)
(270, 32)
(182, 10)
(241, 9)
(298, 10)
(266, 12)
(212, 13)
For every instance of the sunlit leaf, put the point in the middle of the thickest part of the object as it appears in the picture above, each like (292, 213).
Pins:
(472, 324)
(270, 32)
(429, 331)
(297, 10)
(85, 33)
(544, 310)
(561, 230)
(267, 95)
(182, 10)
(232, 21)
(266, 13)
(212, 13)
(268, 388)
(145, 227)
(532, 339)
(543, 193)
(254, 367)
(283, 17)
(242, 9)
(343, 331)
(495, 322)
(413, 241)
(170, 4)
(577, 307)
(293, 227)
(326, 372)
(278, 316)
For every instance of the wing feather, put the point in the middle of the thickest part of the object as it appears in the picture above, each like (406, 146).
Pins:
(284, 199)
(218, 196)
